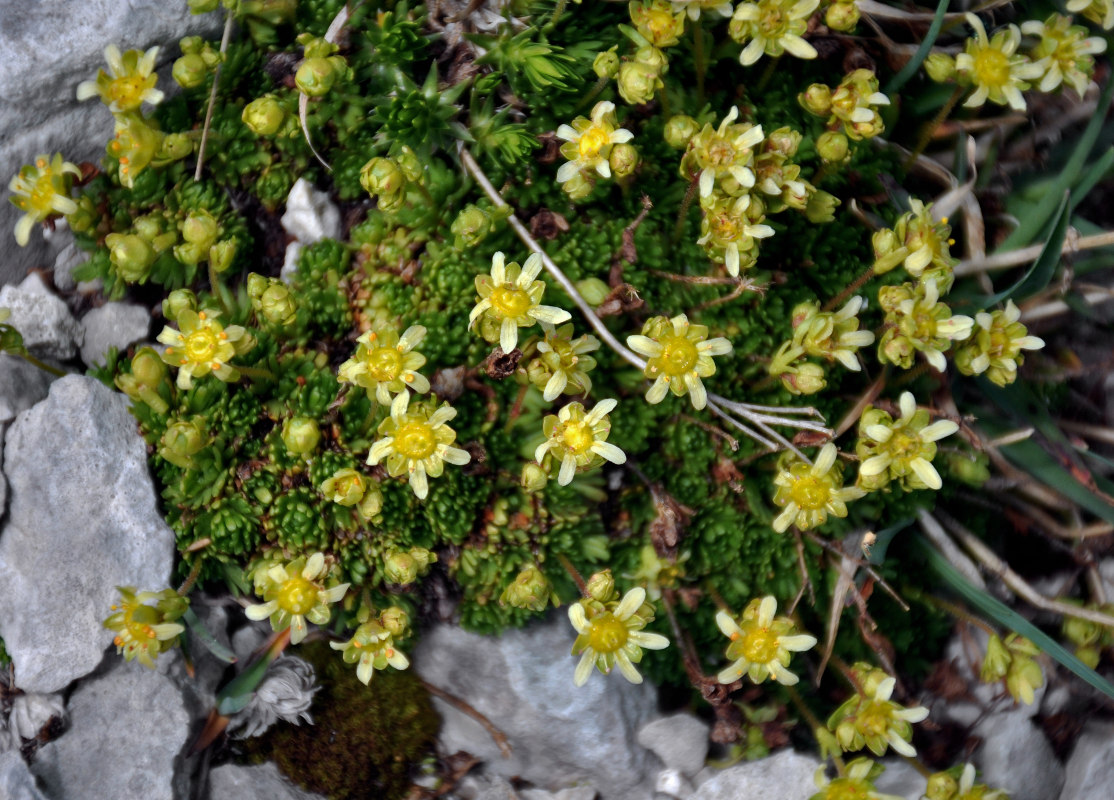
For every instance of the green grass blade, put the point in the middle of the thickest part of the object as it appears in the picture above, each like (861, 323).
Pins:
(207, 638)
(1039, 275)
(1005, 616)
(910, 69)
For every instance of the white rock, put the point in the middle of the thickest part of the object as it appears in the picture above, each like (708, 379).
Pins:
(1016, 756)
(310, 215)
(672, 783)
(1090, 768)
(900, 779)
(48, 328)
(32, 711)
(126, 729)
(290, 262)
(522, 682)
(679, 740)
(82, 520)
(16, 780)
(496, 788)
(22, 384)
(571, 793)
(785, 776)
(112, 325)
(262, 782)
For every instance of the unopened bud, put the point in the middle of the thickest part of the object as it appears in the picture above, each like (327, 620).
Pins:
(817, 99)
(395, 621)
(300, 435)
(842, 16)
(940, 67)
(178, 301)
(183, 440)
(833, 146)
(601, 586)
(678, 130)
(593, 290)
(606, 64)
(131, 255)
(530, 590)
(190, 71)
(264, 116)
(623, 160)
(315, 77)
(534, 478)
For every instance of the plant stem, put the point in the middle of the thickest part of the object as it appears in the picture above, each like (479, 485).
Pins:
(574, 574)
(686, 204)
(191, 579)
(813, 722)
(930, 129)
(213, 96)
(30, 359)
(558, 12)
(850, 289)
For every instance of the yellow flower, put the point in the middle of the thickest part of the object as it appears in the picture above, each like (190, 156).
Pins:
(610, 634)
(872, 720)
(678, 356)
(772, 27)
(994, 67)
(563, 365)
(695, 7)
(761, 644)
(810, 492)
(294, 593)
(996, 346)
(145, 623)
(578, 439)
(656, 21)
(417, 441)
(900, 449)
(203, 345)
(385, 363)
(131, 84)
(136, 144)
(730, 229)
(509, 299)
(588, 142)
(834, 336)
(856, 783)
(1100, 12)
(40, 191)
(917, 322)
(373, 646)
(1064, 52)
(723, 154)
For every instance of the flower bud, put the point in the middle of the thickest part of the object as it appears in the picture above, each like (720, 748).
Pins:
(623, 160)
(182, 440)
(601, 586)
(178, 301)
(272, 300)
(530, 590)
(941, 786)
(382, 176)
(842, 16)
(471, 226)
(148, 227)
(201, 228)
(638, 82)
(300, 435)
(678, 130)
(534, 477)
(175, 147)
(409, 163)
(593, 290)
(345, 487)
(372, 503)
(85, 217)
(264, 116)
(833, 146)
(395, 621)
(190, 71)
(578, 186)
(315, 77)
(148, 368)
(131, 255)
(808, 378)
(222, 254)
(606, 64)
(403, 568)
(940, 67)
(783, 141)
(971, 468)
(816, 99)
(821, 207)
(889, 251)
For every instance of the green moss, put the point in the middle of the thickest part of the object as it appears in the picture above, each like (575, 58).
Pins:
(365, 740)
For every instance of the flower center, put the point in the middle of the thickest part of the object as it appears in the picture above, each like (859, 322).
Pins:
(772, 22)
(992, 68)
(608, 633)
(721, 152)
(127, 91)
(760, 646)
(415, 440)
(659, 23)
(42, 194)
(724, 227)
(138, 622)
(591, 142)
(297, 595)
(847, 789)
(384, 363)
(902, 445)
(509, 301)
(810, 493)
(678, 355)
(578, 437)
(873, 720)
(201, 345)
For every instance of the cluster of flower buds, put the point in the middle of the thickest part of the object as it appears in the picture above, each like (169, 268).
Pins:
(828, 335)
(851, 110)
(321, 68)
(387, 179)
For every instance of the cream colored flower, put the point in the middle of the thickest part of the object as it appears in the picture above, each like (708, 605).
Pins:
(1065, 51)
(678, 356)
(563, 363)
(509, 299)
(203, 345)
(995, 348)
(373, 647)
(772, 27)
(131, 83)
(1100, 12)
(40, 191)
(900, 449)
(578, 440)
(729, 231)
(723, 154)
(994, 67)
(588, 142)
(294, 593)
(610, 634)
(810, 492)
(416, 441)
(384, 363)
(694, 8)
(761, 644)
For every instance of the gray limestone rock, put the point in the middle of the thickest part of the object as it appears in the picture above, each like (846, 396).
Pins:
(262, 782)
(46, 49)
(3, 480)
(560, 734)
(900, 779)
(22, 384)
(127, 728)
(310, 214)
(48, 328)
(679, 740)
(1017, 757)
(1090, 768)
(31, 712)
(112, 325)
(785, 776)
(16, 780)
(82, 520)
